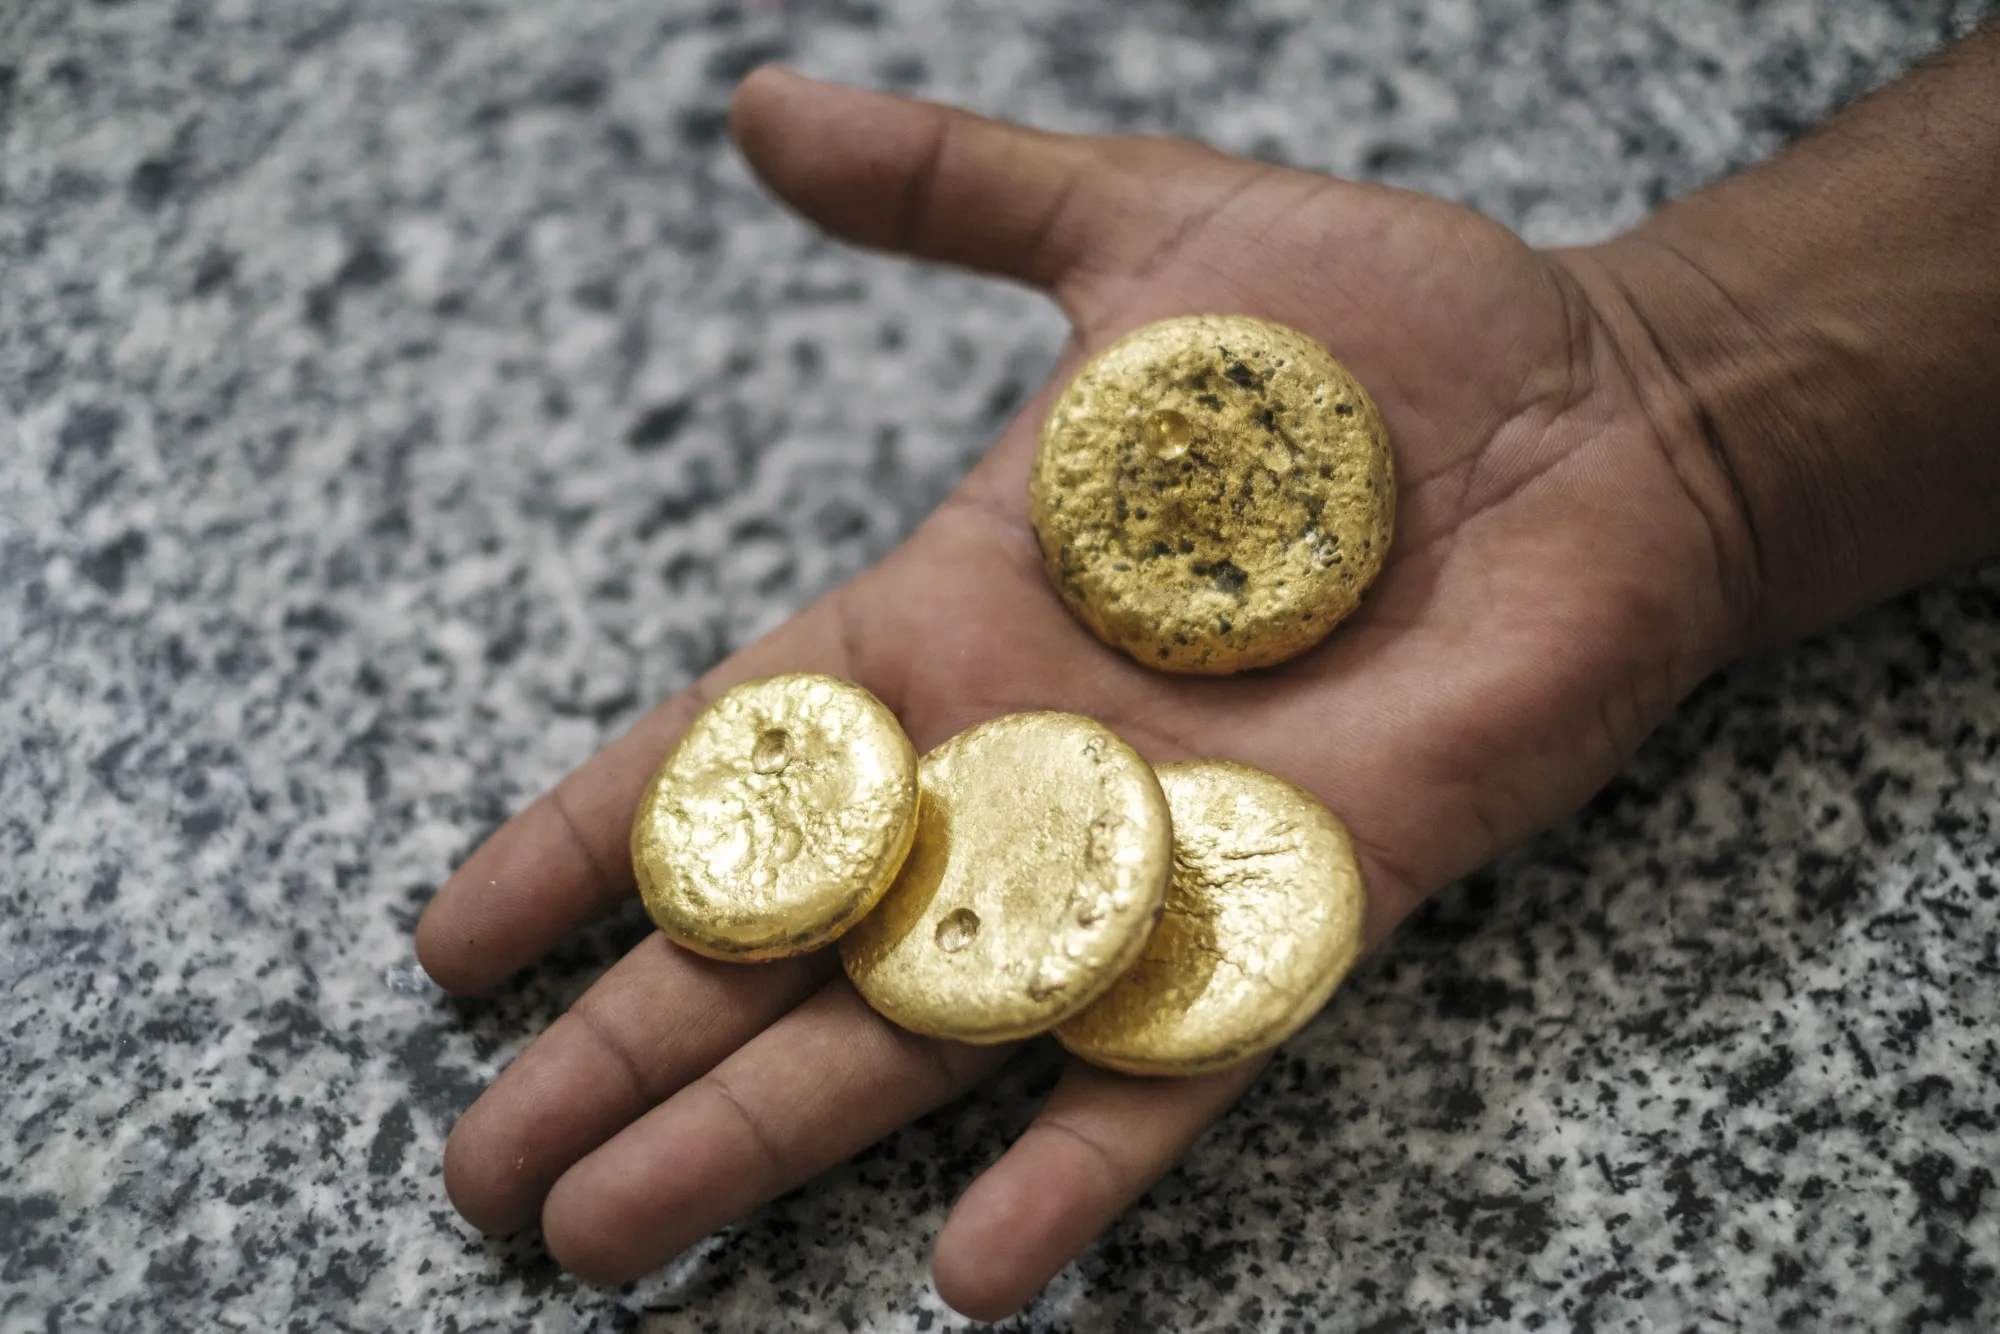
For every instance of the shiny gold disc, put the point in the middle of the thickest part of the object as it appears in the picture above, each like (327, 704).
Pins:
(1040, 865)
(779, 819)
(1263, 920)
(1213, 493)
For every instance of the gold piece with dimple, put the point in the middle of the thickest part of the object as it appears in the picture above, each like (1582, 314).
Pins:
(1263, 920)
(1213, 493)
(1040, 865)
(779, 819)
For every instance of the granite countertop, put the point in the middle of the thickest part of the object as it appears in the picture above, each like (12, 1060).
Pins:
(396, 399)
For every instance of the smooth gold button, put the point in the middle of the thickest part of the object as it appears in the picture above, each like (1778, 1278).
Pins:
(1040, 864)
(778, 821)
(1262, 922)
(1213, 493)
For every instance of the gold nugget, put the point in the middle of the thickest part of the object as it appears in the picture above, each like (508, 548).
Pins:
(1213, 493)
(1262, 922)
(1043, 847)
(779, 819)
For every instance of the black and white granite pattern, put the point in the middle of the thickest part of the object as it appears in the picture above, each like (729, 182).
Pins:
(396, 398)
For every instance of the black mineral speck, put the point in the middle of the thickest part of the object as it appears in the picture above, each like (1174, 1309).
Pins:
(107, 566)
(658, 425)
(1228, 576)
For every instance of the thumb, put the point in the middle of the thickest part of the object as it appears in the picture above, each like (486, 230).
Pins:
(942, 184)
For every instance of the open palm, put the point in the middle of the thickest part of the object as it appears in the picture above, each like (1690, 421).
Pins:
(1564, 571)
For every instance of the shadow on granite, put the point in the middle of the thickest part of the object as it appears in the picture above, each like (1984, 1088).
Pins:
(395, 400)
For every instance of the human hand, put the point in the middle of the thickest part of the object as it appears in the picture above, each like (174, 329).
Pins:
(1569, 560)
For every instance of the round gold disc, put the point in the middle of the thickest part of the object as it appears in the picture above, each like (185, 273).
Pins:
(1043, 846)
(1263, 920)
(779, 819)
(1213, 493)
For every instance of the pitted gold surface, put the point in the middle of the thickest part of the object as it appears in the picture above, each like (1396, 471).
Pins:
(1040, 865)
(1213, 493)
(779, 819)
(1263, 920)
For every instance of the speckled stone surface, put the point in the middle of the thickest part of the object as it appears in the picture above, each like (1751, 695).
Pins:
(396, 398)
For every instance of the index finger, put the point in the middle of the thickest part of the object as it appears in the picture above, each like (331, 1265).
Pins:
(566, 858)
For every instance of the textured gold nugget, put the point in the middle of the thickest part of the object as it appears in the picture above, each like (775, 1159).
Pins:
(779, 819)
(1263, 920)
(1213, 493)
(1043, 846)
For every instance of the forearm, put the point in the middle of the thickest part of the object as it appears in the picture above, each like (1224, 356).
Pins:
(1828, 326)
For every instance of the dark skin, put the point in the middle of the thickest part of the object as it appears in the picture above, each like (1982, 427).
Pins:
(1603, 500)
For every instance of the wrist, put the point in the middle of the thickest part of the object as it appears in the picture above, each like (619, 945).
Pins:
(1814, 338)
(1753, 412)
(1642, 307)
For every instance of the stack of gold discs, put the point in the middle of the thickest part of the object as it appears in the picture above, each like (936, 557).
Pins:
(1212, 494)
(1031, 874)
